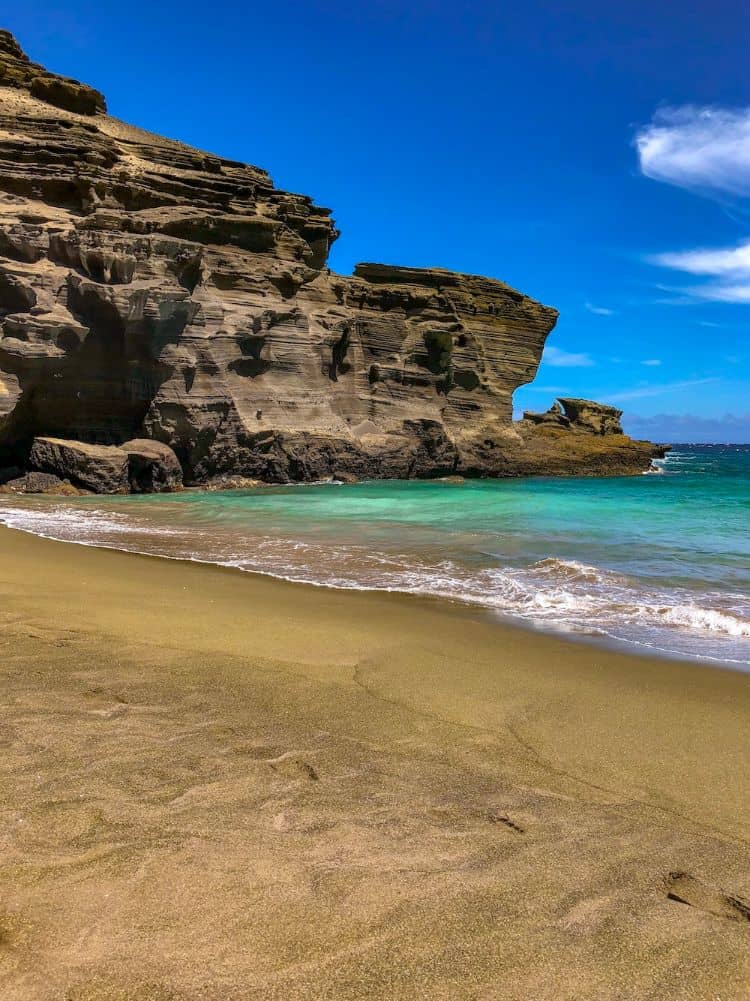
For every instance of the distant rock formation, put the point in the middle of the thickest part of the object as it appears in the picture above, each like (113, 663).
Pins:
(152, 291)
(579, 415)
(584, 438)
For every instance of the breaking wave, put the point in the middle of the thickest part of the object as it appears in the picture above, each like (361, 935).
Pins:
(552, 593)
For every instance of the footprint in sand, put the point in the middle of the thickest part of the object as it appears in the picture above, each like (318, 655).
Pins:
(686, 889)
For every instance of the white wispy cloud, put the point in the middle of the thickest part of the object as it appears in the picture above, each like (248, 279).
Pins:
(728, 267)
(675, 296)
(651, 361)
(641, 392)
(706, 150)
(598, 310)
(567, 359)
(722, 262)
(720, 292)
(699, 148)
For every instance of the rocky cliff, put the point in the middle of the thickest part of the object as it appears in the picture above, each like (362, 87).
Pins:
(152, 291)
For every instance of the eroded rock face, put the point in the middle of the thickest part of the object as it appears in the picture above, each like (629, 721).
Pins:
(150, 290)
(584, 416)
(39, 483)
(100, 468)
(138, 466)
(581, 437)
(16, 70)
(152, 467)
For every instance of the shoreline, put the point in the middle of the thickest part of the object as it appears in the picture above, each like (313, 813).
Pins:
(222, 785)
(483, 613)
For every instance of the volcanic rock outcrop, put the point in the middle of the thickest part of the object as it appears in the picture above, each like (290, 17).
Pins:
(153, 291)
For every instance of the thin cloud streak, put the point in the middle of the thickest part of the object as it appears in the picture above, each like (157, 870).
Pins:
(598, 310)
(641, 392)
(721, 293)
(724, 262)
(730, 265)
(559, 358)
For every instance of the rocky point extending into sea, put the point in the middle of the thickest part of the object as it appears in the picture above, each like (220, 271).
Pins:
(167, 314)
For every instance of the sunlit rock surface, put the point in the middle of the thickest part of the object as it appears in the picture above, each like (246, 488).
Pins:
(152, 291)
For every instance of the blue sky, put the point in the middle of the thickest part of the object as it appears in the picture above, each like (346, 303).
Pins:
(598, 159)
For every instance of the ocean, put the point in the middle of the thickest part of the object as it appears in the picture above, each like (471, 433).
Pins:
(657, 564)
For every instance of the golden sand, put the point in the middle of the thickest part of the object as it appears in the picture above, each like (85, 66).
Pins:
(218, 786)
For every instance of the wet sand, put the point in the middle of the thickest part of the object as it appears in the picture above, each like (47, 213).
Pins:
(221, 786)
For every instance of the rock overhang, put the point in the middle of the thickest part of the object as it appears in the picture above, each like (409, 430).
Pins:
(151, 290)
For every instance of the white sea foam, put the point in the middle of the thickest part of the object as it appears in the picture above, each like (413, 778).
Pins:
(694, 617)
(563, 594)
(73, 524)
(571, 569)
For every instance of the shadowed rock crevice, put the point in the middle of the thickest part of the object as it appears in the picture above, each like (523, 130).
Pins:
(339, 365)
(16, 296)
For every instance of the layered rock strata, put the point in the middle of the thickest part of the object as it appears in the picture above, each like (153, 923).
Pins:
(153, 291)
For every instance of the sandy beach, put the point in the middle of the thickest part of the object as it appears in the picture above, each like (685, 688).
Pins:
(220, 786)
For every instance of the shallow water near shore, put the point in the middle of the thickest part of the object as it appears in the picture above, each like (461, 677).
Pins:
(658, 563)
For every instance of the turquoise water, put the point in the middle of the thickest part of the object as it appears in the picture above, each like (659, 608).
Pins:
(655, 562)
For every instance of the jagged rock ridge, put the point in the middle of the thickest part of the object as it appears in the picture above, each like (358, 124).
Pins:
(150, 290)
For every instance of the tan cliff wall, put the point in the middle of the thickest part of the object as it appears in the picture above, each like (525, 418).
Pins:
(148, 289)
